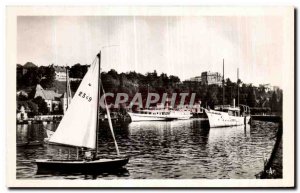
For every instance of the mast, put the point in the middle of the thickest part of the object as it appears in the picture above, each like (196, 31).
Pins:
(67, 87)
(110, 123)
(223, 85)
(238, 88)
(99, 92)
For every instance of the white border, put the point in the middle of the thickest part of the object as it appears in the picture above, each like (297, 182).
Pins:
(288, 119)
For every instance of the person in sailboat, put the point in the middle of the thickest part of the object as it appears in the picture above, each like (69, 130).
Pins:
(89, 155)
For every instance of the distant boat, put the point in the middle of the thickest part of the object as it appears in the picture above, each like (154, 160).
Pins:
(150, 115)
(79, 128)
(159, 115)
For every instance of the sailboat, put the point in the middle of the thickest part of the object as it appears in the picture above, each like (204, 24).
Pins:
(79, 128)
(226, 115)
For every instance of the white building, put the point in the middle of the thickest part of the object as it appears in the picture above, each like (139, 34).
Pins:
(51, 97)
(195, 79)
(22, 114)
(60, 73)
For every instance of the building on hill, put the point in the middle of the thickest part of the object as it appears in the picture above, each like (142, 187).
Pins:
(195, 79)
(51, 97)
(209, 78)
(60, 73)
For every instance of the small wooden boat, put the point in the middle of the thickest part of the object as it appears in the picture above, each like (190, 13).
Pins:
(79, 128)
(77, 165)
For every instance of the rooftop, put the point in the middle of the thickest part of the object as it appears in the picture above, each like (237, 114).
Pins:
(46, 94)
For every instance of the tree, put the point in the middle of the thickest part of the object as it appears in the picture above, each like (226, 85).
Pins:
(74, 85)
(30, 78)
(174, 80)
(49, 77)
(33, 108)
(211, 98)
(273, 102)
(78, 70)
(113, 73)
(228, 82)
(42, 105)
(239, 82)
(22, 97)
(280, 103)
(251, 98)
(262, 89)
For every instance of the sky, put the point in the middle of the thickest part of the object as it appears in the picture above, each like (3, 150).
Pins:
(183, 46)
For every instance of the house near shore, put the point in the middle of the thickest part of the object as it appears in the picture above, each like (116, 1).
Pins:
(51, 97)
(22, 113)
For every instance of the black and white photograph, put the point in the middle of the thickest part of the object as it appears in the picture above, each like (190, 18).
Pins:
(141, 94)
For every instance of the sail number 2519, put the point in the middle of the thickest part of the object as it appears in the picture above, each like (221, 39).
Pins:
(84, 95)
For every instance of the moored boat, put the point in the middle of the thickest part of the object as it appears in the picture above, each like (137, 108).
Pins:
(150, 115)
(228, 117)
(159, 115)
(77, 165)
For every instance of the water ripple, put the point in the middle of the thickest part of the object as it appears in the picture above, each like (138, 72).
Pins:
(161, 150)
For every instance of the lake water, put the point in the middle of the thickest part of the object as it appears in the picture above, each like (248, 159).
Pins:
(159, 150)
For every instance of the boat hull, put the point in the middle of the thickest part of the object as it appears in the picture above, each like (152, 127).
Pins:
(81, 165)
(222, 119)
(180, 117)
(148, 117)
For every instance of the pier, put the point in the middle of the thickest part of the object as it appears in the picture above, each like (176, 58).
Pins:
(269, 118)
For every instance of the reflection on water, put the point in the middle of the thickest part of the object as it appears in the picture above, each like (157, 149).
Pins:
(174, 149)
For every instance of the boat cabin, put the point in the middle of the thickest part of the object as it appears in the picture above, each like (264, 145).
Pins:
(242, 110)
(234, 111)
(153, 112)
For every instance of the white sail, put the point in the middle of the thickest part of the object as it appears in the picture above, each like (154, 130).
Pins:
(78, 126)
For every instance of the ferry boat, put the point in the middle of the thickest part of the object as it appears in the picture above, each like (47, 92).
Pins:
(150, 115)
(159, 115)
